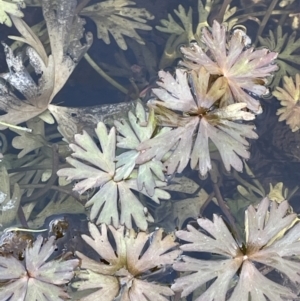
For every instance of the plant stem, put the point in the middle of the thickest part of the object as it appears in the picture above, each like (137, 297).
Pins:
(21, 217)
(55, 163)
(21, 128)
(226, 211)
(220, 17)
(265, 19)
(207, 201)
(80, 6)
(104, 75)
(73, 194)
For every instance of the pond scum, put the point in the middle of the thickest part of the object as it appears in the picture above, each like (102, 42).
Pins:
(123, 165)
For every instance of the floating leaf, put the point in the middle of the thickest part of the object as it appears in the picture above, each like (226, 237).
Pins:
(196, 117)
(95, 167)
(126, 259)
(36, 279)
(272, 239)
(54, 71)
(289, 97)
(243, 69)
(139, 128)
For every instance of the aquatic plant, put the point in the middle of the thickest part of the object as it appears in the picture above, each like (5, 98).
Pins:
(8, 8)
(289, 97)
(54, 70)
(244, 69)
(96, 167)
(183, 32)
(286, 45)
(36, 278)
(200, 108)
(139, 128)
(118, 18)
(127, 259)
(272, 239)
(187, 103)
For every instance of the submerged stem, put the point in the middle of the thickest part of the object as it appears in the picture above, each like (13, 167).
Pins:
(52, 179)
(220, 17)
(104, 74)
(265, 19)
(226, 211)
(81, 6)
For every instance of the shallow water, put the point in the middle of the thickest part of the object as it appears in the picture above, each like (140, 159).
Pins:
(33, 197)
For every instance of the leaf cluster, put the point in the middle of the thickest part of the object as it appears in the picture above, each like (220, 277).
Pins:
(125, 261)
(115, 203)
(272, 239)
(118, 18)
(37, 278)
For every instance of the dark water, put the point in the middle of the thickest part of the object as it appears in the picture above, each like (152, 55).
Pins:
(46, 204)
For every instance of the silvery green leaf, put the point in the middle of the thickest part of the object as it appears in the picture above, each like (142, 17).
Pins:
(114, 203)
(36, 279)
(194, 122)
(9, 9)
(272, 239)
(139, 127)
(126, 258)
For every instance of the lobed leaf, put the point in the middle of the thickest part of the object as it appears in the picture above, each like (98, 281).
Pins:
(243, 68)
(126, 258)
(194, 115)
(116, 18)
(36, 279)
(272, 239)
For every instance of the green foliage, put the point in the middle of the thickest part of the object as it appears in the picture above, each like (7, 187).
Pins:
(10, 7)
(287, 47)
(118, 18)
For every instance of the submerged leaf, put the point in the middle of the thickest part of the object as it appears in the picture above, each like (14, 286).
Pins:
(116, 18)
(9, 204)
(286, 45)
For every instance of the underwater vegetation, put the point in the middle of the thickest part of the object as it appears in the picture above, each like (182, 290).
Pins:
(121, 191)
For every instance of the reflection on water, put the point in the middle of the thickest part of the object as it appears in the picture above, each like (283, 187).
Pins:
(121, 119)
